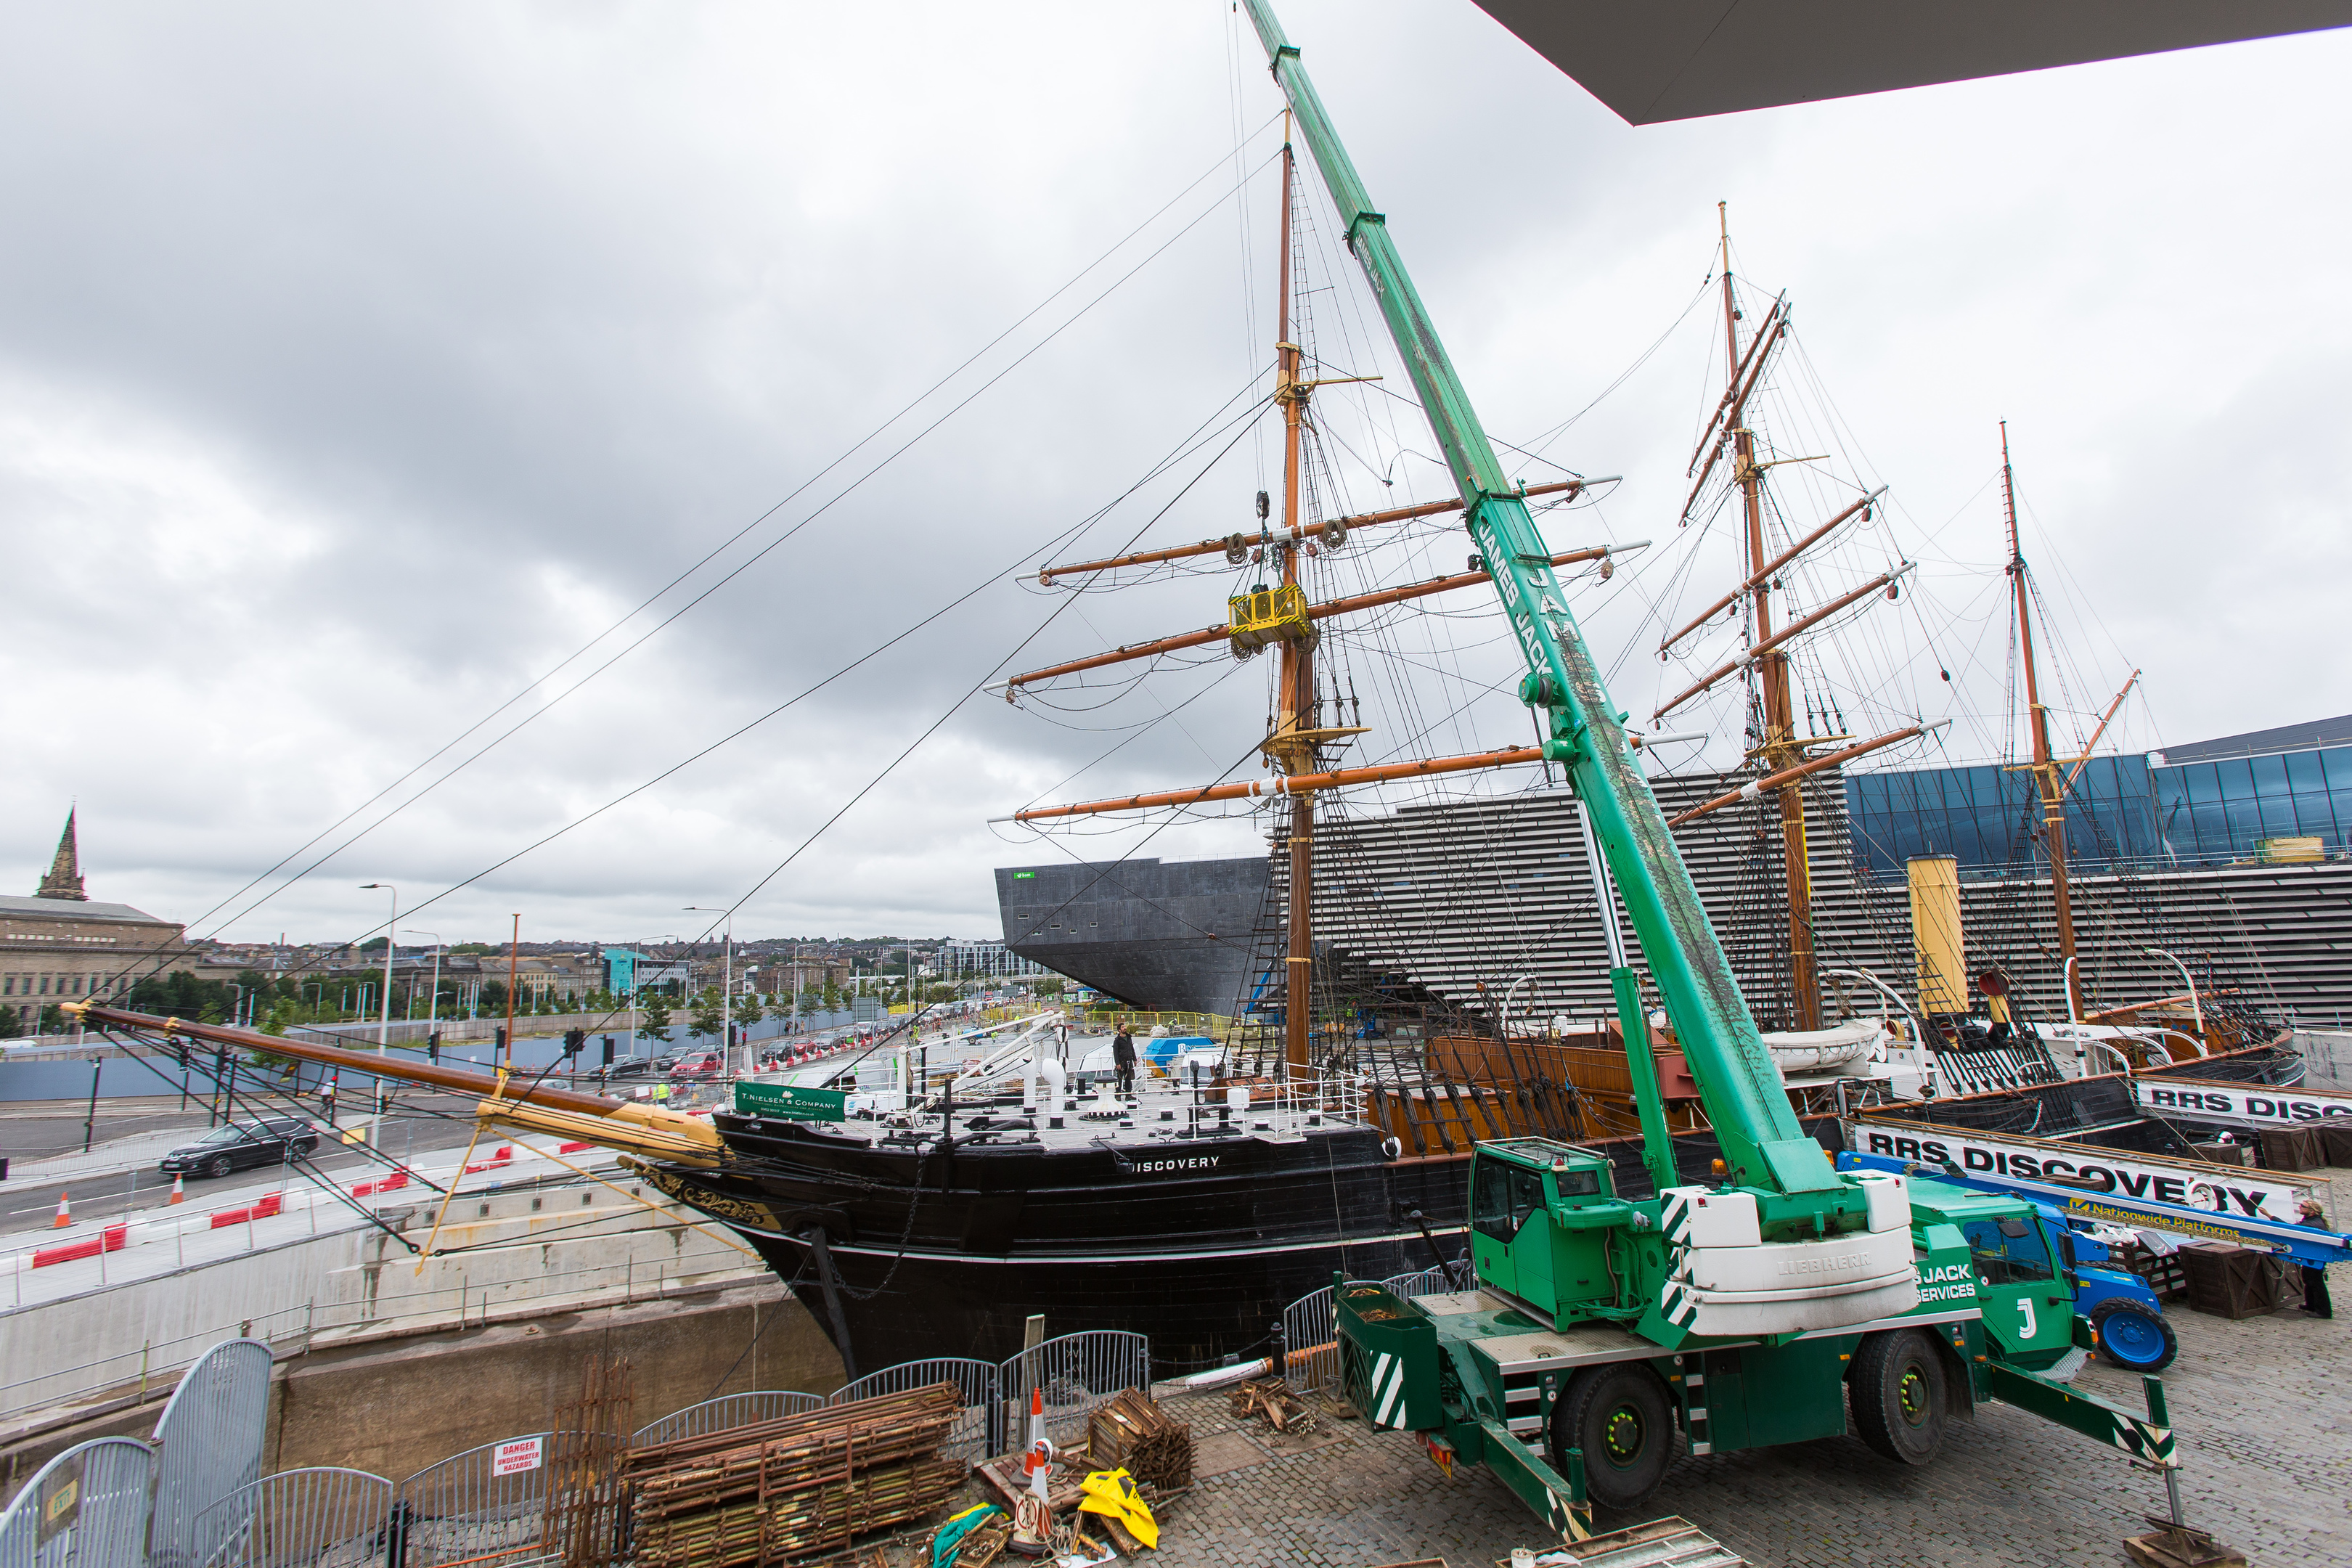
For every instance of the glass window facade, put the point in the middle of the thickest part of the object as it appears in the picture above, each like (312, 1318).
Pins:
(1986, 815)
(2218, 811)
(2121, 810)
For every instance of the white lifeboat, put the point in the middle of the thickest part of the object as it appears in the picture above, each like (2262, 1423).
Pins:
(1824, 1050)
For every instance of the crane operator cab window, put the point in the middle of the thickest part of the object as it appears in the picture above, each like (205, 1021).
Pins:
(2008, 1251)
(1505, 1196)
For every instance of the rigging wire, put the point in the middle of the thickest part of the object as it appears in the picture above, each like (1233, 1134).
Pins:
(740, 534)
(1060, 541)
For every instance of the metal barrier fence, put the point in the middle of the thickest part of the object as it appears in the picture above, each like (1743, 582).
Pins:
(292, 1329)
(1309, 1325)
(208, 1444)
(728, 1410)
(484, 1506)
(135, 1371)
(1076, 1373)
(977, 1431)
(86, 1507)
(316, 1517)
(195, 1494)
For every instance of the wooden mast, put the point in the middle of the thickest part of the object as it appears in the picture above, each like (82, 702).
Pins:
(1779, 751)
(2046, 784)
(1292, 750)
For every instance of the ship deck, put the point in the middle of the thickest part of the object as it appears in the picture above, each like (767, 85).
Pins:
(1162, 1114)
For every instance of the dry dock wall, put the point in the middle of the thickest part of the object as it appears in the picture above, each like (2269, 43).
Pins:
(380, 1363)
(395, 1405)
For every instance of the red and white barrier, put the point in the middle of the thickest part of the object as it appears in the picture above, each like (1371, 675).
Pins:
(111, 1239)
(266, 1208)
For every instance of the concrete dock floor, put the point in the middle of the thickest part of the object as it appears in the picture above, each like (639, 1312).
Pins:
(2263, 1406)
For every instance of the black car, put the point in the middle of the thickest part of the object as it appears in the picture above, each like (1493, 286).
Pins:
(271, 1140)
(635, 1066)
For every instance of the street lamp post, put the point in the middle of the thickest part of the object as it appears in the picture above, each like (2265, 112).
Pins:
(671, 940)
(432, 1008)
(726, 981)
(383, 1023)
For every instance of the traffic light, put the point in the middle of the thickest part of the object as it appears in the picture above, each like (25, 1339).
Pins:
(432, 1047)
(608, 1050)
(574, 1041)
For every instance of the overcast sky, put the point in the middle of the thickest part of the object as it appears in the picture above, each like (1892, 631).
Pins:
(359, 366)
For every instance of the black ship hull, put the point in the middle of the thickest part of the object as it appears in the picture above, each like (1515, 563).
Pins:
(1198, 1244)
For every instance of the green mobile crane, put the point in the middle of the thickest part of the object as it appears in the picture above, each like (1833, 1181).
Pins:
(1740, 1310)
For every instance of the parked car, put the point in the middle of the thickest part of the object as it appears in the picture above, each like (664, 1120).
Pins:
(271, 1140)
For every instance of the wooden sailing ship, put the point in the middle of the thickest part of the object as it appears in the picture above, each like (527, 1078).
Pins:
(1440, 1098)
(1772, 624)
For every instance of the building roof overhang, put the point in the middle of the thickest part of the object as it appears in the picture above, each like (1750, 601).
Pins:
(73, 909)
(1680, 59)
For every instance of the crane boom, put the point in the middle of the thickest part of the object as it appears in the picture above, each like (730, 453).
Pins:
(1739, 1083)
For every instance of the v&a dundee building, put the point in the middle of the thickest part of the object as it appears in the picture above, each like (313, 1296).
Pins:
(2233, 856)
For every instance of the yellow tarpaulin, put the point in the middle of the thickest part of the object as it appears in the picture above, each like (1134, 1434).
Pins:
(1111, 1493)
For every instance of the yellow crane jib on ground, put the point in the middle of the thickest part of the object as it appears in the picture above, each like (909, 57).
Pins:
(649, 1131)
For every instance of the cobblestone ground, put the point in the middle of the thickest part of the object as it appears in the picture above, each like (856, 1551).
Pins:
(2263, 1408)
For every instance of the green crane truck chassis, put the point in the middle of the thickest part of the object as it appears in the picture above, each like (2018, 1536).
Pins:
(1552, 1386)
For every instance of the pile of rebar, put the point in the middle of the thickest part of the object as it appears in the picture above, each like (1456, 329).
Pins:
(1133, 1433)
(803, 1485)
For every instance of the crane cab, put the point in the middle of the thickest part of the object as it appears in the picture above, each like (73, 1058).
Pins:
(1542, 1215)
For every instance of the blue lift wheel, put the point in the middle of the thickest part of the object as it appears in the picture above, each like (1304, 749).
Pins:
(2134, 1338)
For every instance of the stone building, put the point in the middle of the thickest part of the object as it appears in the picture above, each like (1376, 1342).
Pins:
(60, 944)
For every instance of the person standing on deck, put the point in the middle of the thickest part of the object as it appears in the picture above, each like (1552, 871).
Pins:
(1122, 1056)
(2314, 1275)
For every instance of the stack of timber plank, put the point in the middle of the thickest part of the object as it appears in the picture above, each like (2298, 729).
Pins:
(775, 1491)
(1132, 1433)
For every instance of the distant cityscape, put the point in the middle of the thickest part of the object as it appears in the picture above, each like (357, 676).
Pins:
(60, 945)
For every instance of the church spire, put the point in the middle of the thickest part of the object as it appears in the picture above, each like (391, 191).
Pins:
(64, 881)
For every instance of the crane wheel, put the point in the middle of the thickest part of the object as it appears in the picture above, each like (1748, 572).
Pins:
(1897, 1388)
(1619, 1417)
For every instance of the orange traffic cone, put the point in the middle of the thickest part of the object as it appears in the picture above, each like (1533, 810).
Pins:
(179, 1190)
(65, 1212)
